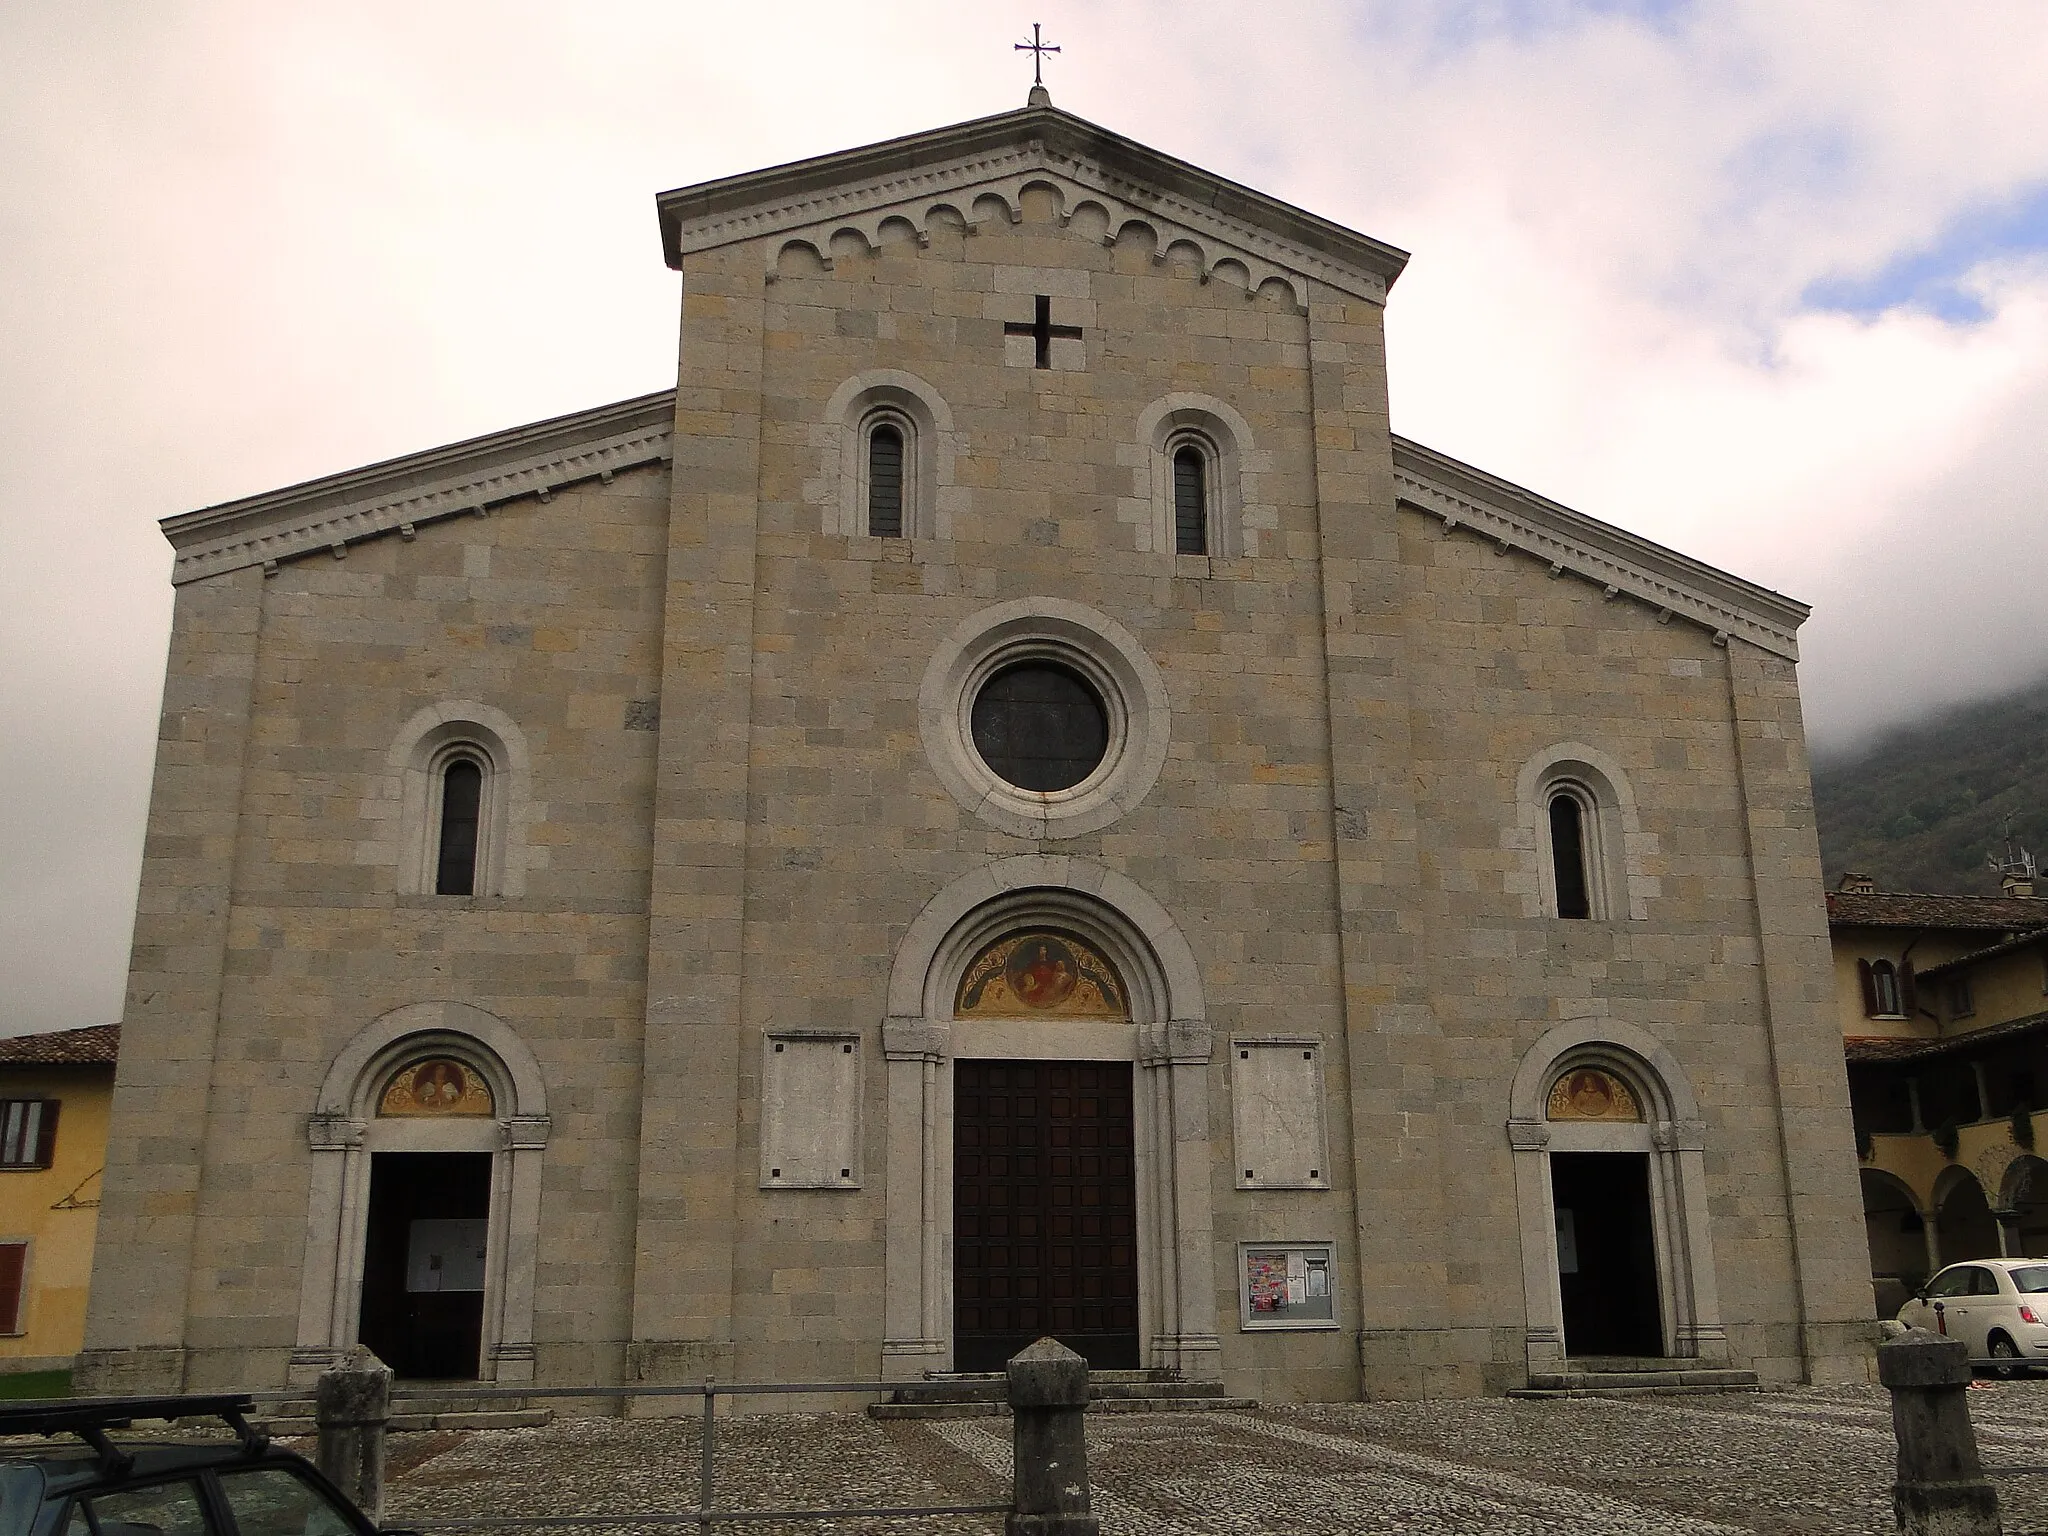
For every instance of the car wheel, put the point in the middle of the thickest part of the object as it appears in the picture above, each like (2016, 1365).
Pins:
(2005, 1357)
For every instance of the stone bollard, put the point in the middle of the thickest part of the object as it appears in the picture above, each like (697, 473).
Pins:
(1048, 1395)
(351, 1404)
(1941, 1490)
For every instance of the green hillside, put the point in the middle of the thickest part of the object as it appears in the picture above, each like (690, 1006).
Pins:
(1919, 809)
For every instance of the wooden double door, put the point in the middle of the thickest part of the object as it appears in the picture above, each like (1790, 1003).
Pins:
(1045, 1216)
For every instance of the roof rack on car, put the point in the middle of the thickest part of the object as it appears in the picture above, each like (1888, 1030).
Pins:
(90, 1418)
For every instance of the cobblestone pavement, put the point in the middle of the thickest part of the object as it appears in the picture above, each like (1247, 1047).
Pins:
(1809, 1461)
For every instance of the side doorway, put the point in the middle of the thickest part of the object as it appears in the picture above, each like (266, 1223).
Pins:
(1606, 1254)
(424, 1263)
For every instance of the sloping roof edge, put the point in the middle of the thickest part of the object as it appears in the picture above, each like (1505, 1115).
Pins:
(1924, 909)
(398, 494)
(94, 1045)
(2017, 941)
(1512, 517)
(1863, 1049)
(924, 167)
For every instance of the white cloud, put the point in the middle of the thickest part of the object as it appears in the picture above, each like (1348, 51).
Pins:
(251, 243)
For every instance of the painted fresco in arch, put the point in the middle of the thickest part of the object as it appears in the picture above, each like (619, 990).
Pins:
(1587, 1093)
(436, 1086)
(1041, 974)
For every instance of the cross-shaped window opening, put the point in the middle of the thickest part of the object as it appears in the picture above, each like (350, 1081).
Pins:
(1041, 330)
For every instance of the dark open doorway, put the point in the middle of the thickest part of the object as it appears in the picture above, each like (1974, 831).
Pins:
(423, 1262)
(1044, 1211)
(1606, 1253)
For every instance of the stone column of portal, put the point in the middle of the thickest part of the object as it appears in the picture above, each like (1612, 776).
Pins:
(689, 1108)
(1833, 1304)
(1390, 1030)
(143, 1255)
(913, 1321)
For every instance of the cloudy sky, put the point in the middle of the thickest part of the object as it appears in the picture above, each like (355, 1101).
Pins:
(1766, 281)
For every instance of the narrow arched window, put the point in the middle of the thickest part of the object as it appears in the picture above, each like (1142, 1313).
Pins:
(885, 481)
(1190, 501)
(1884, 993)
(1568, 855)
(462, 794)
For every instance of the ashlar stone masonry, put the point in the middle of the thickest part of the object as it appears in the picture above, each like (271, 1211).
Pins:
(1019, 643)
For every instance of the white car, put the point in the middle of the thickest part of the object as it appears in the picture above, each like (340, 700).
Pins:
(1999, 1307)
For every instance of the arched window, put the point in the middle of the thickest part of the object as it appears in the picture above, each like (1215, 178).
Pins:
(1190, 501)
(462, 795)
(1571, 822)
(885, 479)
(887, 465)
(1884, 989)
(1583, 842)
(461, 790)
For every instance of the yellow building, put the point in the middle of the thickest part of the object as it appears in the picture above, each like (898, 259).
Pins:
(1944, 1010)
(55, 1090)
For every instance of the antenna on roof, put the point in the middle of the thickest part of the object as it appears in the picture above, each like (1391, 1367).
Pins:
(2015, 867)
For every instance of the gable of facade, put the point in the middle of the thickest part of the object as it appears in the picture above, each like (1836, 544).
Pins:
(717, 681)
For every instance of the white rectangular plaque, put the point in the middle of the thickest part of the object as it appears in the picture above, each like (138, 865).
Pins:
(810, 1111)
(1276, 1111)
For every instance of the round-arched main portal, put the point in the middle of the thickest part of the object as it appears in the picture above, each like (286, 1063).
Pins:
(1066, 973)
(1610, 1180)
(424, 1199)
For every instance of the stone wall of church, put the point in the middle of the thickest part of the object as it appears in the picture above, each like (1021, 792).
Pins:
(848, 830)
(548, 613)
(1504, 662)
(727, 816)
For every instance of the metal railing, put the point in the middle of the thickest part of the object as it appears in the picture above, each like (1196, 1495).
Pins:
(706, 1514)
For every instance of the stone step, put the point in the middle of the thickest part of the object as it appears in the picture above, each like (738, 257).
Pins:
(1666, 1378)
(987, 1409)
(1100, 1386)
(1550, 1394)
(297, 1418)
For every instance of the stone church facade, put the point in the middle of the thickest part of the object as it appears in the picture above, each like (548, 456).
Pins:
(1007, 802)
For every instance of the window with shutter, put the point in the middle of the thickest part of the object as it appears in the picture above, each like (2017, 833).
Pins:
(13, 1271)
(1568, 855)
(885, 482)
(1867, 978)
(28, 1132)
(462, 791)
(1190, 502)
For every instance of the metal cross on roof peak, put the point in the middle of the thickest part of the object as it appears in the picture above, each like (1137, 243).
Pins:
(1038, 50)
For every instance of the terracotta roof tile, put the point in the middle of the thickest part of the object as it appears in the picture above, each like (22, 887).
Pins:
(1912, 909)
(1879, 1048)
(96, 1045)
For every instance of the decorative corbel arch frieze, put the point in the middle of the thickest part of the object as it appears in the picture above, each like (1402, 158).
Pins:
(1225, 250)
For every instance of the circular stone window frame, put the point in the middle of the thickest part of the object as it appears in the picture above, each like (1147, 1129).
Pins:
(1095, 647)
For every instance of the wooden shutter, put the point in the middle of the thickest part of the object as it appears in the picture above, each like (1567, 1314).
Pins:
(885, 483)
(1869, 980)
(1190, 503)
(13, 1269)
(46, 1134)
(1909, 996)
